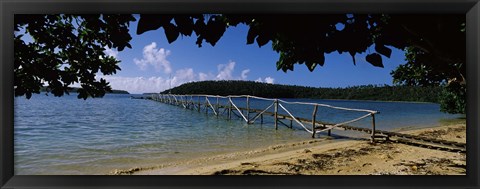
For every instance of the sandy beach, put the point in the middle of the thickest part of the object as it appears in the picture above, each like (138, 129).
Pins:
(326, 156)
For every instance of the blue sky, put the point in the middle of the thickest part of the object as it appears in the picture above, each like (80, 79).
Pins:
(153, 65)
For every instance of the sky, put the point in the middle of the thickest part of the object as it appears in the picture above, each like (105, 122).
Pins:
(154, 65)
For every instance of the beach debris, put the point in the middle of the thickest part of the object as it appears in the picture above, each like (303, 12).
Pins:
(226, 172)
(366, 164)
(262, 172)
(283, 163)
(127, 171)
(411, 163)
(321, 156)
(414, 168)
(307, 151)
(254, 165)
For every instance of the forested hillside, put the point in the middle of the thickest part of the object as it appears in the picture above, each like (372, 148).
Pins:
(366, 92)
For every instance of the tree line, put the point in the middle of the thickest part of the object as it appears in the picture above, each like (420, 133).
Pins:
(364, 92)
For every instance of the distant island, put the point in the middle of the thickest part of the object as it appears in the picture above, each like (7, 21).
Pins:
(75, 89)
(364, 92)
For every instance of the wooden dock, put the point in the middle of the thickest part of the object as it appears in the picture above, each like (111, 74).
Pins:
(313, 126)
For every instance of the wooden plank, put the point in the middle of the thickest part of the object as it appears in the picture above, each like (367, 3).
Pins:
(248, 110)
(314, 115)
(276, 114)
(373, 128)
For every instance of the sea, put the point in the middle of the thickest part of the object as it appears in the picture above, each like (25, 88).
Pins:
(70, 136)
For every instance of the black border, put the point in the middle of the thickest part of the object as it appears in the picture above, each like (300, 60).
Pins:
(8, 8)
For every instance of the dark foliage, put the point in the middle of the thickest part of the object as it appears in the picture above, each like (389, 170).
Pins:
(435, 44)
(67, 49)
(366, 92)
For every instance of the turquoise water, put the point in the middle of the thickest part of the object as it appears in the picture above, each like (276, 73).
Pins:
(65, 136)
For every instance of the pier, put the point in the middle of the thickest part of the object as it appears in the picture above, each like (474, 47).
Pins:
(227, 108)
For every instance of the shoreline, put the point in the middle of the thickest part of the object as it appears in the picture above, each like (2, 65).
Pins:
(413, 102)
(327, 156)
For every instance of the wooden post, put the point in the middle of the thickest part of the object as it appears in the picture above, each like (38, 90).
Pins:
(218, 107)
(229, 108)
(276, 114)
(261, 118)
(198, 103)
(314, 115)
(330, 132)
(190, 103)
(248, 111)
(291, 125)
(206, 105)
(373, 128)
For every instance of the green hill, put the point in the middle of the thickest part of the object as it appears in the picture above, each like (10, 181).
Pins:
(365, 92)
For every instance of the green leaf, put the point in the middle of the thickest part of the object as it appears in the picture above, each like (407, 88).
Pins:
(171, 32)
(383, 50)
(352, 53)
(215, 30)
(262, 40)
(374, 59)
(252, 34)
(185, 25)
(149, 22)
(311, 65)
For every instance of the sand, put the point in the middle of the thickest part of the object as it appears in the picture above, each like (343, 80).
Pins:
(331, 157)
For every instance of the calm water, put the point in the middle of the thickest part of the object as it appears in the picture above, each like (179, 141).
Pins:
(71, 136)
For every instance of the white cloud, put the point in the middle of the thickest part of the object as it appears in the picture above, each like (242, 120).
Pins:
(157, 84)
(137, 85)
(203, 76)
(182, 76)
(225, 71)
(111, 52)
(267, 80)
(244, 74)
(154, 57)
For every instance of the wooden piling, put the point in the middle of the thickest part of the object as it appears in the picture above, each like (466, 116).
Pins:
(314, 115)
(229, 108)
(206, 105)
(218, 106)
(248, 110)
(261, 118)
(199, 105)
(276, 114)
(373, 128)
